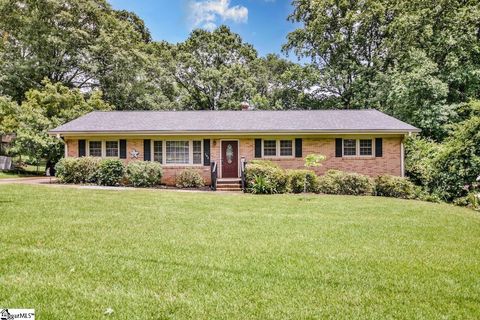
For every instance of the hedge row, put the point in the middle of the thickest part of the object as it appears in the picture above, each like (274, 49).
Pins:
(112, 172)
(108, 172)
(265, 177)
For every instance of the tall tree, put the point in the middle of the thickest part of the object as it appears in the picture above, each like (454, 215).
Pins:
(45, 109)
(344, 39)
(83, 44)
(415, 59)
(213, 69)
(283, 84)
(9, 111)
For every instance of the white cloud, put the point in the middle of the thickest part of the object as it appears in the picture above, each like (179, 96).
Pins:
(205, 13)
(209, 26)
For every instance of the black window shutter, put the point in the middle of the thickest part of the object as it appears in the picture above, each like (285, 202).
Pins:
(298, 148)
(146, 150)
(206, 152)
(378, 147)
(123, 149)
(258, 148)
(338, 147)
(81, 148)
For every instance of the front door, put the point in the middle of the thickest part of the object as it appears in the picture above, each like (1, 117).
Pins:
(229, 159)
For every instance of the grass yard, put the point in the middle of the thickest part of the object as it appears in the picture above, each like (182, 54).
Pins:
(74, 253)
(9, 175)
(29, 171)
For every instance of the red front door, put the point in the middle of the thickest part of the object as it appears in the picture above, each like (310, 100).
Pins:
(229, 159)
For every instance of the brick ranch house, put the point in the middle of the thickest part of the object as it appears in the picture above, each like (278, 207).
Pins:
(364, 141)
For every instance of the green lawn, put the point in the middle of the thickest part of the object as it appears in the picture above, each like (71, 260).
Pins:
(73, 253)
(9, 175)
(28, 171)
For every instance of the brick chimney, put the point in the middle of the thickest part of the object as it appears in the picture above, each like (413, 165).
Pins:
(245, 106)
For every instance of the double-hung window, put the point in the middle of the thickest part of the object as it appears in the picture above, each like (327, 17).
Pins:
(277, 148)
(366, 148)
(286, 148)
(95, 148)
(269, 148)
(354, 147)
(197, 152)
(158, 151)
(349, 147)
(111, 148)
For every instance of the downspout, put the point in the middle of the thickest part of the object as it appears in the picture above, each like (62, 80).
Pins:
(402, 158)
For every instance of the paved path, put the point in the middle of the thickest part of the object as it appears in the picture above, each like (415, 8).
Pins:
(52, 182)
(29, 180)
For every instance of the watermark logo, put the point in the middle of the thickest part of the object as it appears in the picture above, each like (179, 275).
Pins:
(13, 314)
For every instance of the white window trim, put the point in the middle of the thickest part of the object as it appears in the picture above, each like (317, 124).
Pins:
(104, 148)
(104, 151)
(277, 149)
(357, 148)
(190, 153)
(152, 149)
(87, 152)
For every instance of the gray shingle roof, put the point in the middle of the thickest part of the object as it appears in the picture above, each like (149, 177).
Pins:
(236, 121)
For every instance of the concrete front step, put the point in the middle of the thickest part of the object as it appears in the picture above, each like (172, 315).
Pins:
(229, 189)
(229, 180)
(229, 185)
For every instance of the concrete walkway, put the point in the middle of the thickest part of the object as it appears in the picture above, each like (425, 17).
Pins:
(29, 180)
(53, 183)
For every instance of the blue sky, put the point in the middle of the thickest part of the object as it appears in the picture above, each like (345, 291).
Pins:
(262, 23)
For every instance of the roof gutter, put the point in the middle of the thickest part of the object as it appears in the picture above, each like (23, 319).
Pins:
(243, 133)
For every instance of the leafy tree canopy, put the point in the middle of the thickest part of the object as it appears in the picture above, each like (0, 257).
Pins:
(414, 59)
(43, 110)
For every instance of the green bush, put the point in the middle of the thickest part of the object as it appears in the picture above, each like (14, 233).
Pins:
(259, 185)
(297, 179)
(457, 164)
(339, 182)
(471, 200)
(77, 170)
(273, 179)
(419, 155)
(447, 170)
(110, 172)
(143, 173)
(189, 178)
(397, 187)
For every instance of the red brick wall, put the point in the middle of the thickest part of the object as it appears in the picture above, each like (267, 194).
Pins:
(72, 148)
(389, 163)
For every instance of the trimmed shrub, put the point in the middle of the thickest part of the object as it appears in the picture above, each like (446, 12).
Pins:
(397, 187)
(77, 170)
(189, 178)
(143, 173)
(110, 172)
(265, 177)
(297, 178)
(339, 182)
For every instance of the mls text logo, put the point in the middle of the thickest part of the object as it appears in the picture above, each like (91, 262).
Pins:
(12, 314)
